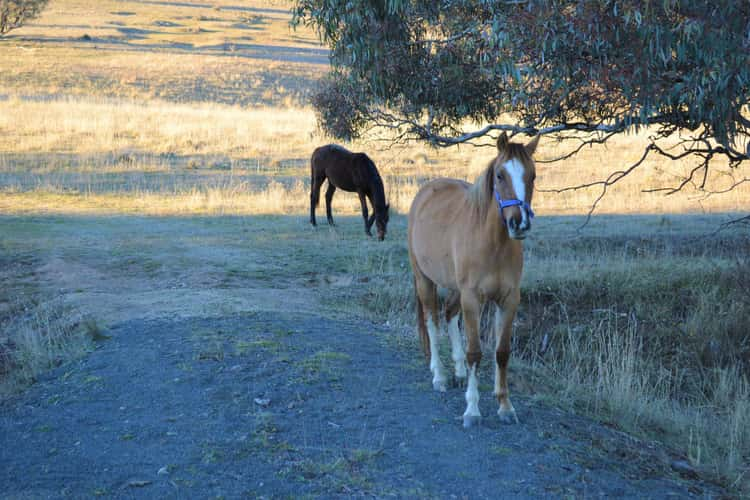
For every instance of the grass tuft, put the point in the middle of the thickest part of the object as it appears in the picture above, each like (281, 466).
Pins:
(37, 337)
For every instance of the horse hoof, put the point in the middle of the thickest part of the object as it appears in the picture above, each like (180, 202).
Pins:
(472, 421)
(507, 416)
(438, 385)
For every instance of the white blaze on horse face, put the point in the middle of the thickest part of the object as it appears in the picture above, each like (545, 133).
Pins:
(436, 366)
(515, 170)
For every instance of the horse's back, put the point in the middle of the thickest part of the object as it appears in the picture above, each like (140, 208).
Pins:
(438, 202)
(329, 154)
(435, 220)
(439, 195)
(341, 167)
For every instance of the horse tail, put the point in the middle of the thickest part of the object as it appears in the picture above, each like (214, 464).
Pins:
(424, 337)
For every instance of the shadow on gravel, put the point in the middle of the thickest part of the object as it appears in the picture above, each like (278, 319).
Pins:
(267, 404)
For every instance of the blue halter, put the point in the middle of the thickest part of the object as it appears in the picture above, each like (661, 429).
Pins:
(511, 203)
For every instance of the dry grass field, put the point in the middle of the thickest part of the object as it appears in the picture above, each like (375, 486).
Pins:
(154, 153)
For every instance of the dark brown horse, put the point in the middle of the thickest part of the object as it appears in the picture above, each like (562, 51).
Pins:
(353, 172)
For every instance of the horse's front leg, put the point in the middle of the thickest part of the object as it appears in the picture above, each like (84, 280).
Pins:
(363, 202)
(314, 197)
(471, 308)
(503, 331)
(329, 196)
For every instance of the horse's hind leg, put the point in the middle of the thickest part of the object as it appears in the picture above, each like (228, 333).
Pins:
(428, 297)
(363, 202)
(329, 196)
(452, 310)
(503, 331)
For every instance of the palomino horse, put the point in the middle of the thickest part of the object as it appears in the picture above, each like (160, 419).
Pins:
(465, 238)
(350, 172)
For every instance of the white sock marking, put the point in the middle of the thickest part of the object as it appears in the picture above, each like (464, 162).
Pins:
(472, 394)
(457, 347)
(436, 366)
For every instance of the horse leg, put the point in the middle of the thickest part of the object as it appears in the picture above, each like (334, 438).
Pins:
(314, 197)
(428, 297)
(470, 308)
(503, 331)
(329, 197)
(363, 202)
(452, 310)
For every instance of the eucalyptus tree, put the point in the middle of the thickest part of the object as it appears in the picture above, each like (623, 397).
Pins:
(14, 13)
(582, 70)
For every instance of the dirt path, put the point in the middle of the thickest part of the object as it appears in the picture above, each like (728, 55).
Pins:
(231, 371)
(270, 404)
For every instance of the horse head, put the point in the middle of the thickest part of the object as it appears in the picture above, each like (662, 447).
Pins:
(512, 182)
(380, 219)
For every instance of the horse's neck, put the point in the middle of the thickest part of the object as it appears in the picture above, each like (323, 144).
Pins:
(377, 191)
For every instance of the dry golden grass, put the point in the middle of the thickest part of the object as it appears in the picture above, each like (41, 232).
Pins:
(163, 138)
(153, 50)
(89, 127)
(36, 337)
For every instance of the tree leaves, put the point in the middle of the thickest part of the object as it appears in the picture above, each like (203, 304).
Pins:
(14, 13)
(547, 63)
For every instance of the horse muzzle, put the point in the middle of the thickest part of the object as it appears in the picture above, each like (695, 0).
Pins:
(518, 230)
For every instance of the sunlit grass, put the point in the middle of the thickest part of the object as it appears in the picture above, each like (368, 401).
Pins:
(210, 156)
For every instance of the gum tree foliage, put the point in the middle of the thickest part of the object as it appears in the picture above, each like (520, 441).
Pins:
(14, 13)
(593, 67)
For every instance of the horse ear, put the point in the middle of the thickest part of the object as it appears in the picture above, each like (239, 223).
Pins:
(502, 141)
(531, 146)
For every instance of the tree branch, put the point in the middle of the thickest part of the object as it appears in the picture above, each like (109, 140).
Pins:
(745, 221)
(584, 143)
(441, 140)
(613, 178)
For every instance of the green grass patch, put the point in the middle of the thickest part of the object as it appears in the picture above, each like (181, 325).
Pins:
(244, 346)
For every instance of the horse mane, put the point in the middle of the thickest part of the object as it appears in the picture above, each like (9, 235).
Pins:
(481, 193)
(337, 147)
(378, 195)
